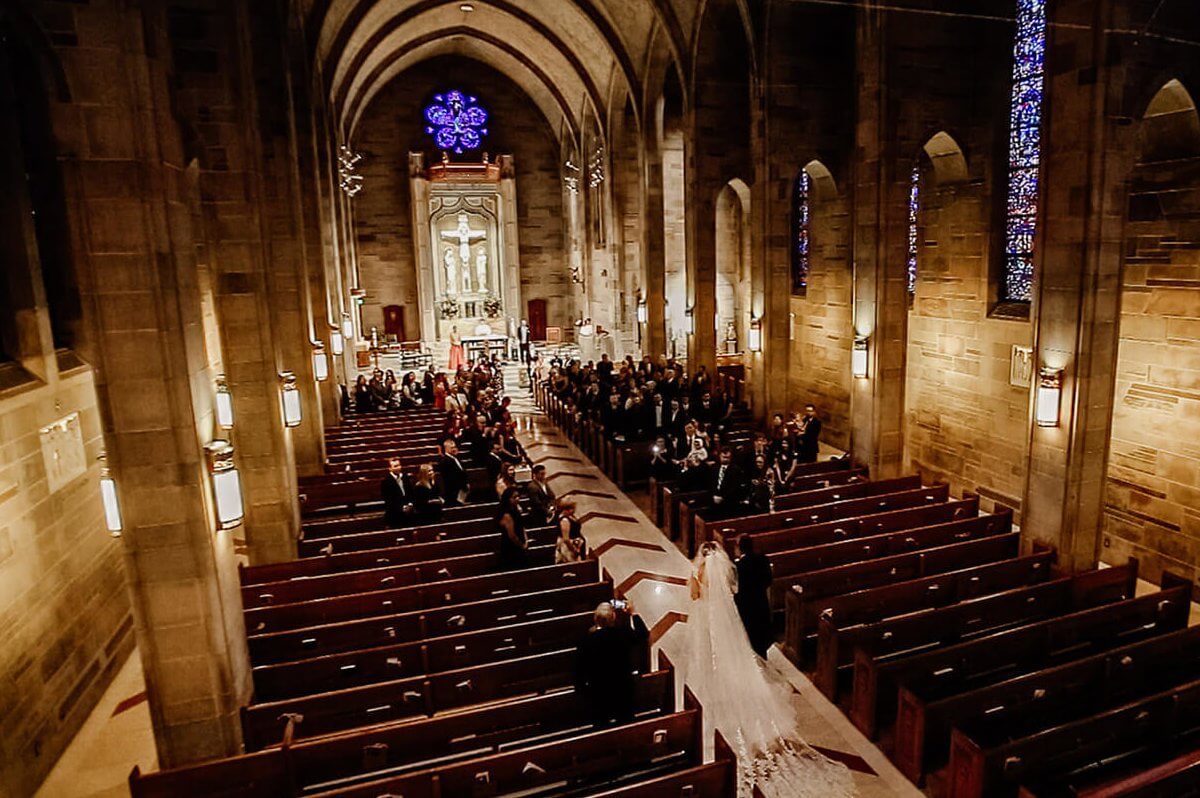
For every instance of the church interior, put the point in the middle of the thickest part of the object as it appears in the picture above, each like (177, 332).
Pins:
(410, 397)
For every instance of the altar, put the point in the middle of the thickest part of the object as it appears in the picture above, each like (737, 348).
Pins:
(469, 284)
(477, 346)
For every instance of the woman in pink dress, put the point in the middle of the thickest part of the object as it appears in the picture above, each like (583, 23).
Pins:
(456, 350)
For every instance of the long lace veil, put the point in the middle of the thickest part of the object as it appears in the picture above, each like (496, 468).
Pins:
(739, 696)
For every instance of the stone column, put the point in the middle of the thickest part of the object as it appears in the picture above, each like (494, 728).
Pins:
(654, 331)
(701, 210)
(1076, 310)
(135, 254)
(510, 235)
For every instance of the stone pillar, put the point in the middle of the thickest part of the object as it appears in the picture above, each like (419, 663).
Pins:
(880, 302)
(654, 331)
(701, 211)
(1076, 308)
(136, 261)
(514, 301)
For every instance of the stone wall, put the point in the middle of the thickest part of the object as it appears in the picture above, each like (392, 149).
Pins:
(64, 611)
(964, 422)
(392, 126)
(1152, 490)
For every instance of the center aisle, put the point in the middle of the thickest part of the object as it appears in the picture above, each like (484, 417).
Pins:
(653, 573)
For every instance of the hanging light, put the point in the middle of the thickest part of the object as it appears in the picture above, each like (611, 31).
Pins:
(1049, 397)
(224, 404)
(347, 327)
(858, 360)
(291, 399)
(689, 321)
(226, 484)
(108, 495)
(337, 344)
(320, 362)
(755, 334)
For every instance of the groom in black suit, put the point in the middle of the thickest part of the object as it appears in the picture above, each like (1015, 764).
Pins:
(753, 604)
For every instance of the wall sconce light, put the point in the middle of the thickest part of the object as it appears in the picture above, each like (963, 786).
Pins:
(291, 399)
(642, 313)
(689, 321)
(791, 326)
(347, 326)
(226, 484)
(108, 495)
(755, 334)
(337, 344)
(320, 362)
(358, 295)
(858, 359)
(1049, 397)
(224, 404)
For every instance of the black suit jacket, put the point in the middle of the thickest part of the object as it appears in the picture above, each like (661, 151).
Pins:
(454, 477)
(731, 489)
(810, 441)
(396, 495)
(754, 578)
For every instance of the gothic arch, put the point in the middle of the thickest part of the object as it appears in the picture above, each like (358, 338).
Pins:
(946, 157)
(1170, 126)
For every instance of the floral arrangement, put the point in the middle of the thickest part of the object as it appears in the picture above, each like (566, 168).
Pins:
(491, 306)
(449, 308)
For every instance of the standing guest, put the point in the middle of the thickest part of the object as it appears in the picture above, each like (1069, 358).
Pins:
(541, 498)
(513, 543)
(605, 663)
(571, 542)
(785, 465)
(456, 350)
(662, 468)
(728, 488)
(762, 485)
(397, 498)
(752, 600)
(505, 479)
(427, 504)
(439, 392)
(810, 435)
(362, 395)
(523, 340)
(454, 475)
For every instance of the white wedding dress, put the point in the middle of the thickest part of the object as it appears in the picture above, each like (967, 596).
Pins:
(751, 708)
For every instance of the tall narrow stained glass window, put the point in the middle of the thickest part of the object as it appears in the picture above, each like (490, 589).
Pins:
(1024, 149)
(800, 239)
(914, 206)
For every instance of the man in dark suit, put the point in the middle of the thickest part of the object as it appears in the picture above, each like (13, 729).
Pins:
(728, 486)
(397, 496)
(753, 604)
(810, 436)
(606, 660)
(523, 339)
(541, 498)
(453, 473)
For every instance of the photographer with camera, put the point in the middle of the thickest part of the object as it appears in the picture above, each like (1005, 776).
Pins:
(606, 660)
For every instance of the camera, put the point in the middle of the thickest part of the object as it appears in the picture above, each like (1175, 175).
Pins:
(620, 605)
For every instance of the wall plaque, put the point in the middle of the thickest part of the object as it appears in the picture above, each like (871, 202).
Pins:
(1020, 370)
(63, 451)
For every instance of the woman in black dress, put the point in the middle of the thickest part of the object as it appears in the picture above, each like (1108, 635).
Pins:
(426, 496)
(571, 546)
(513, 543)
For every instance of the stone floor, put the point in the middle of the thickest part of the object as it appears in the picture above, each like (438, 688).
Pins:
(640, 559)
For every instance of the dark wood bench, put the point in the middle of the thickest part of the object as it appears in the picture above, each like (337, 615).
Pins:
(383, 539)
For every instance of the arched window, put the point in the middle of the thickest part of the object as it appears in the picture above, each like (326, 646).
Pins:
(914, 206)
(1024, 149)
(800, 235)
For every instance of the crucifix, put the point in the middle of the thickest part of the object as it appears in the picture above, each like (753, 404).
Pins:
(465, 236)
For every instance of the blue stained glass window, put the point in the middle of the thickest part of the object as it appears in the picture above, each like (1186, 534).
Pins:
(800, 239)
(456, 122)
(914, 207)
(1025, 148)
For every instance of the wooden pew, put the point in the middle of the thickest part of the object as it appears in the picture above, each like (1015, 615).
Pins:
(718, 779)
(928, 710)
(404, 660)
(418, 597)
(938, 590)
(598, 758)
(308, 588)
(876, 683)
(807, 591)
(316, 641)
(993, 760)
(375, 522)
(362, 541)
(1161, 773)
(907, 635)
(353, 757)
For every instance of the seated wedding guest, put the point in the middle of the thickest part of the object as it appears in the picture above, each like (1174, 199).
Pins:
(509, 448)
(397, 496)
(453, 474)
(427, 504)
(427, 384)
(409, 395)
(362, 395)
(513, 542)
(541, 498)
(606, 660)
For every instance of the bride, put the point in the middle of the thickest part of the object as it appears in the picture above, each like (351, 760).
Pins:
(741, 699)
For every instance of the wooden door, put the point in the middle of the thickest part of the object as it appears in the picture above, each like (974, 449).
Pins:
(537, 319)
(393, 321)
